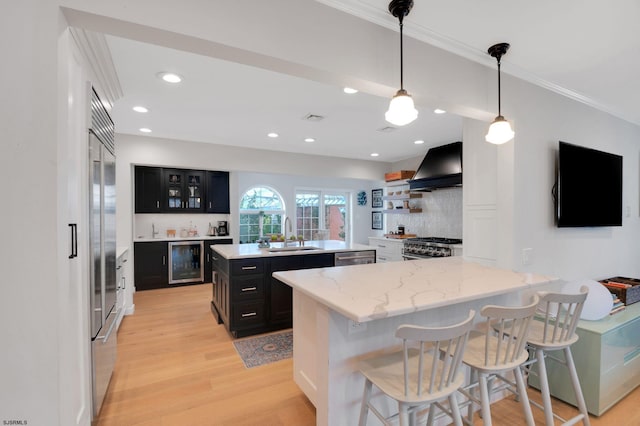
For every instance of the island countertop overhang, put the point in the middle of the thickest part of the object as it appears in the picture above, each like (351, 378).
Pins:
(367, 292)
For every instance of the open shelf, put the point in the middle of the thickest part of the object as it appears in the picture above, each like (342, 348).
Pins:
(403, 196)
(401, 211)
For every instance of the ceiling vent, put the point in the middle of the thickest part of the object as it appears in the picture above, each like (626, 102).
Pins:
(313, 117)
(387, 129)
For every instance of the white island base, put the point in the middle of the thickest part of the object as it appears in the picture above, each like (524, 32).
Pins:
(331, 331)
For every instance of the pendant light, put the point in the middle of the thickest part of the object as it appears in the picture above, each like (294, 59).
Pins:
(500, 130)
(401, 109)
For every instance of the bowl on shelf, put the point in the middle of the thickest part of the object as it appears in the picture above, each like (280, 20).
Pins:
(406, 191)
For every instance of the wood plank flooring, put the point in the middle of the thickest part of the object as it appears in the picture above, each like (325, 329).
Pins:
(176, 366)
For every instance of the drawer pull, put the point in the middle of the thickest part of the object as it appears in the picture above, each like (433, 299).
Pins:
(380, 245)
(249, 268)
(249, 289)
(628, 357)
(249, 314)
(382, 258)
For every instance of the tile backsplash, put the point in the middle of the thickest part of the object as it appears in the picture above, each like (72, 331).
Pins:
(163, 221)
(441, 215)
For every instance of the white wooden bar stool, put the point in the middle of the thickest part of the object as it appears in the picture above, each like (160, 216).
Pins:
(420, 375)
(497, 350)
(554, 332)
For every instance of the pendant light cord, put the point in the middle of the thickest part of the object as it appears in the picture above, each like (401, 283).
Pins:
(401, 58)
(499, 85)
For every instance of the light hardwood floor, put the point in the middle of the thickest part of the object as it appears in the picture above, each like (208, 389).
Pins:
(176, 366)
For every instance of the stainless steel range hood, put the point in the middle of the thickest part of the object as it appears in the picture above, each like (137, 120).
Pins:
(440, 168)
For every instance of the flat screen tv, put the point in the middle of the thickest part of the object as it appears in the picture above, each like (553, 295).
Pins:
(589, 187)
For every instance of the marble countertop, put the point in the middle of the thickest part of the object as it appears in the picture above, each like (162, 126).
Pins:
(197, 238)
(368, 292)
(120, 250)
(243, 251)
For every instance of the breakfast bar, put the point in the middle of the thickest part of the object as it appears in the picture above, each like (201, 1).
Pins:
(343, 314)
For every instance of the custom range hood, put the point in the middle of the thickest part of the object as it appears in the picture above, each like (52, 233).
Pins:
(441, 168)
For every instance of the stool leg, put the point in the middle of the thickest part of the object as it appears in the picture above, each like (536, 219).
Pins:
(484, 399)
(544, 387)
(455, 410)
(364, 409)
(473, 378)
(576, 386)
(404, 414)
(524, 397)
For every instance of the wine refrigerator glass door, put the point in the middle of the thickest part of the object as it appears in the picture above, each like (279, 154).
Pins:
(186, 262)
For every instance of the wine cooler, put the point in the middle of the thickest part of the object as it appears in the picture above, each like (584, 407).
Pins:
(186, 261)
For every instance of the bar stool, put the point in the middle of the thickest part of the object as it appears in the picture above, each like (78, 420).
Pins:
(419, 377)
(497, 350)
(554, 332)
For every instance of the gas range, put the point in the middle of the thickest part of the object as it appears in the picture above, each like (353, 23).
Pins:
(423, 248)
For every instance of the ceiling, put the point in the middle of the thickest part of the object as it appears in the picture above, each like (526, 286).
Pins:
(584, 49)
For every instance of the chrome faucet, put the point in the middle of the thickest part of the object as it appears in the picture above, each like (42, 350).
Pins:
(153, 230)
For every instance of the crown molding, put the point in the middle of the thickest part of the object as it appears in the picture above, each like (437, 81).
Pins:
(95, 50)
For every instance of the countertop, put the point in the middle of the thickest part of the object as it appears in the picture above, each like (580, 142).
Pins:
(243, 251)
(120, 250)
(368, 292)
(178, 238)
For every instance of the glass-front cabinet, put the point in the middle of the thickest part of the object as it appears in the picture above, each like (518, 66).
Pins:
(184, 190)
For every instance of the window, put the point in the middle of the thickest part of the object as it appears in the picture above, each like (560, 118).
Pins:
(321, 215)
(261, 213)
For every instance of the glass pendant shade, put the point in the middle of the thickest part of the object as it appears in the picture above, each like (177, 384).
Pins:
(401, 109)
(499, 132)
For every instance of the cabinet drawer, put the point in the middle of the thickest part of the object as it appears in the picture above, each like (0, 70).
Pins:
(248, 314)
(247, 266)
(251, 287)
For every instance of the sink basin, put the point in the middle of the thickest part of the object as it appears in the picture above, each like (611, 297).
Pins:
(285, 249)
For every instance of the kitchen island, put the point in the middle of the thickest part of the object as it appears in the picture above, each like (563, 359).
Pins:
(343, 314)
(248, 300)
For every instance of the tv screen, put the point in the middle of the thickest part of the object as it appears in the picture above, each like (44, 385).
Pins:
(589, 187)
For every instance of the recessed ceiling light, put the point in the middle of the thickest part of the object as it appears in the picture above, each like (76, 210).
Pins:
(349, 90)
(145, 130)
(418, 142)
(309, 140)
(439, 111)
(272, 135)
(374, 154)
(170, 77)
(140, 109)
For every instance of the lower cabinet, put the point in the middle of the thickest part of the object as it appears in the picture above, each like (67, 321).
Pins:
(387, 250)
(150, 265)
(248, 300)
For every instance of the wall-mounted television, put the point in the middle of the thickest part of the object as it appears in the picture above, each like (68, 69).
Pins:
(588, 191)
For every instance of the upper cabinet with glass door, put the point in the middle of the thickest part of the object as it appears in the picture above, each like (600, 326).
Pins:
(183, 190)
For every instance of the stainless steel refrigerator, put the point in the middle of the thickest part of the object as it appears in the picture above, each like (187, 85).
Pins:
(102, 236)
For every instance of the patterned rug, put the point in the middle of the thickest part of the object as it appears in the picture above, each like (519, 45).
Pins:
(265, 349)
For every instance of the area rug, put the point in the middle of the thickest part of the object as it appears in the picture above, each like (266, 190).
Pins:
(265, 349)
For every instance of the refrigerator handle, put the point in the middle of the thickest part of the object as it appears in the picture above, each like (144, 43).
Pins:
(74, 240)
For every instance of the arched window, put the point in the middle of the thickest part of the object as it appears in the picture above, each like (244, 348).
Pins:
(261, 213)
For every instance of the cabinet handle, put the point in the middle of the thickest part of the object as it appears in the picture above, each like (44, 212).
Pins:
(164, 260)
(208, 257)
(157, 204)
(249, 289)
(380, 245)
(249, 268)
(124, 283)
(249, 314)
(382, 258)
(74, 240)
(209, 204)
(124, 260)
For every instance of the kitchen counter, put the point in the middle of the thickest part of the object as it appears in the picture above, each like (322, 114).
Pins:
(344, 314)
(197, 238)
(367, 292)
(246, 251)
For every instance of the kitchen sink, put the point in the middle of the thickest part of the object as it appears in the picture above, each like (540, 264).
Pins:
(285, 249)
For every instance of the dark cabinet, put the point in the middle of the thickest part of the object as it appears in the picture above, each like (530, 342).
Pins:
(183, 190)
(246, 297)
(164, 190)
(150, 265)
(208, 258)
(148, 189)
(217, 190)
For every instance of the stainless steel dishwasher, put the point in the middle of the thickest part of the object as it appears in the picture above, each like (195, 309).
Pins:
(355, 257)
